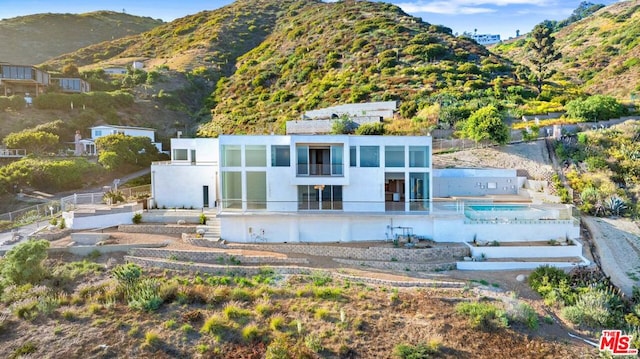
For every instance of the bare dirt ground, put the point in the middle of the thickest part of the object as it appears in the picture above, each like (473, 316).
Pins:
(617, 242)
(531, 157)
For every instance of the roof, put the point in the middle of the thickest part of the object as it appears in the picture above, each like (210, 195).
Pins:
(124, 127)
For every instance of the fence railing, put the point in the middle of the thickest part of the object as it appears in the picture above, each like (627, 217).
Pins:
(45, 211)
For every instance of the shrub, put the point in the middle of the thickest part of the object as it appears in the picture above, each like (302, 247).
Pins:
(407, 351)
(552, 274)
(251, 333)
(137, 218)
(483, 315)
(370, 129)
(24, 263)
(203, 218)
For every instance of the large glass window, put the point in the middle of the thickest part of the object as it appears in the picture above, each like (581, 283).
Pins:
(352, 156)
(369, 156)
(256, 190)
(255, 155)
(232, 190)
(418, 156)
(394, 156)
(231, 156)
(303, 160)
(179, 154)
(336, 160)
(320, 197)
(280, 156)
(419, 191)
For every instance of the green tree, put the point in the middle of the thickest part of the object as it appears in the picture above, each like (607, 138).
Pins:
(486, 124)
(595, 108)
(23, 263)
(118, 150)
(32, 141)
(542, 53)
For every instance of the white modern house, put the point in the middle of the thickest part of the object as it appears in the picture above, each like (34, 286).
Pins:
(105, 130)
(314, 188)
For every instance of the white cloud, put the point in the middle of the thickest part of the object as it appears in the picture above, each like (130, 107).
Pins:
(466, 7)
(442, 7)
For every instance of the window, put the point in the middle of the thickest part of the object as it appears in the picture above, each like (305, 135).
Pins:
(418, 156)
(352, 156)
(180, 154)
(256, 190)
(320, 197)
(419, 191)
(255, 156)
(97, 133)
(303, 160)
(232, 190)
(394, 156)
(336, 160)
(280, 156)
(369, 156)
(231, 156)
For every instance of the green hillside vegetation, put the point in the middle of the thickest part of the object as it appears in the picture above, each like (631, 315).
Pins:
(599, 53)
(605, 170)
(349, 52)
(211, 40)
(33, 39)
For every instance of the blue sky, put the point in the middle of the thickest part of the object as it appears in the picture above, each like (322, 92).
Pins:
(502, 17)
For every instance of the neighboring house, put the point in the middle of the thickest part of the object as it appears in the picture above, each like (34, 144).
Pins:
(484, 39)
(72, 85)
(115, 70)
(314, 188)
(21, 79)
(321, 121)
(104, 130)
(27, 80)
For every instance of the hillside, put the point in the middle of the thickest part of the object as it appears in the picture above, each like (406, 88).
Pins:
(346, 52)
(600, 52)
(33, 39)
(284, 57)
(209, 40)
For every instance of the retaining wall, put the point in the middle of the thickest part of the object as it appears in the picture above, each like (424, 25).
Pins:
(85, 250)
(211, 257)
(399, 266)
(284, 270)
(157, 229)
(371, 253)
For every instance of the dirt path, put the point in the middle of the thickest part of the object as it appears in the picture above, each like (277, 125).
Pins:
(617, 241)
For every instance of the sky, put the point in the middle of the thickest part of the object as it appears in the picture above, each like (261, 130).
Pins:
(501, 17)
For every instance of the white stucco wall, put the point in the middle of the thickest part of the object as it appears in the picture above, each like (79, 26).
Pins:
(182, 185)
(319, 227)
(89, 222)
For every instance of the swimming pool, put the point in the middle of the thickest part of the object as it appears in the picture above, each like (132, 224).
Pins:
(498, 207)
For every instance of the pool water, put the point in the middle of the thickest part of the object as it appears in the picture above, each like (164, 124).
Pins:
(498, 207)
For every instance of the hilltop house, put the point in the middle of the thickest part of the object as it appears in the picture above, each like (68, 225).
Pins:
(22, 79)
(314, 188)
(104, 130)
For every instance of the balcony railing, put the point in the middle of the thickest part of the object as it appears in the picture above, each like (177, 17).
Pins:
(320, 170)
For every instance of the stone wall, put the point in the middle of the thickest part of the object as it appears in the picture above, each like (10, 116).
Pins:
(371, 253)
(212, 257)
(400, 266)
(157, 229)
(283, 270)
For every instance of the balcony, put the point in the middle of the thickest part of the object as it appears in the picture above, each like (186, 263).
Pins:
(319, 170)
(320, 161)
